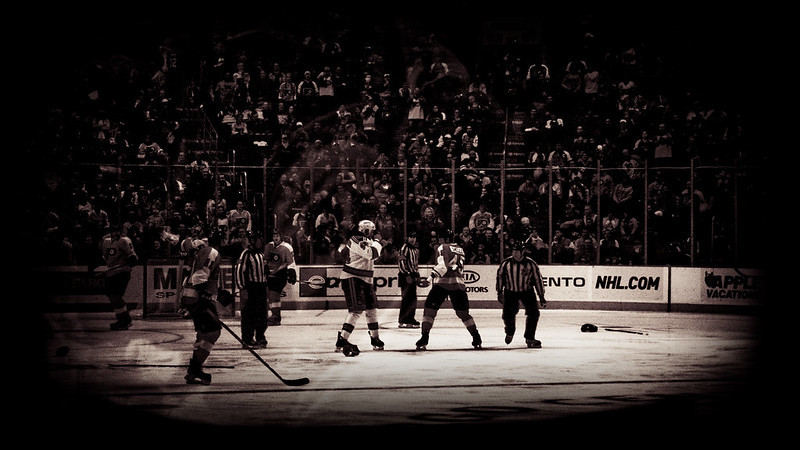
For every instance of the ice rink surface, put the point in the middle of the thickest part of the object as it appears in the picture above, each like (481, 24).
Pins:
(671, 375)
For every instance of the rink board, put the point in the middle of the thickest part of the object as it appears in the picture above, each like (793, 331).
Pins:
(154, 289)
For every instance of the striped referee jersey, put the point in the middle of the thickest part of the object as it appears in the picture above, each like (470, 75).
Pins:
(520, 276)
(250, 268)
(408, 262)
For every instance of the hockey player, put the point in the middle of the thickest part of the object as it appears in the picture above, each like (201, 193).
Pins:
(187, 252)
(198, 292)
(448, 281)
(359, 254)
(517, 278)
(281, 270)
(119, 256)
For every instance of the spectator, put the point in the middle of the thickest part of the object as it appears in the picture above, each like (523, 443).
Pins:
(287, 91)
(308, 94)
(481, 219)
(240, 217)
(609, 249)
(562, 250)
(585, 247)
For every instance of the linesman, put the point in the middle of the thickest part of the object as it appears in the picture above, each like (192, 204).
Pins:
(520, 280)
(408, 276)
(251, 280)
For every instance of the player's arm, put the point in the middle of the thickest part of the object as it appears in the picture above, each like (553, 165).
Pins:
(538, 285)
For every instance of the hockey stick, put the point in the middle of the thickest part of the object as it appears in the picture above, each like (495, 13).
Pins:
(625, 331)
(295, 382)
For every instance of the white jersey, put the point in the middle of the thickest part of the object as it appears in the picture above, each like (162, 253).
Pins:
(359, 254)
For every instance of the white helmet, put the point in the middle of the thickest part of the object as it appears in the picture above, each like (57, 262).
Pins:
(366, 227)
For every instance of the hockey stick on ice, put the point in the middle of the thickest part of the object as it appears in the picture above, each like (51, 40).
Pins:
(295, 382)
(625, 331)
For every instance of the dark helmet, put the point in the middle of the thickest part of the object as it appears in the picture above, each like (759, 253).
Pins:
(518, 245)
(447, 234)
(215, 238)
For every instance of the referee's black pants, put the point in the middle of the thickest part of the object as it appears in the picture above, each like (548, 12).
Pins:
(254, 312)
(511, 304)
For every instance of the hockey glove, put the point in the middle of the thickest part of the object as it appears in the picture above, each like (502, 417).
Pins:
(291, 276)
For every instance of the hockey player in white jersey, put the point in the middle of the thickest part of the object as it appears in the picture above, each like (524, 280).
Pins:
(358, 254)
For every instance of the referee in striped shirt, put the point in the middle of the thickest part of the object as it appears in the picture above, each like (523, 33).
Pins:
(407, 278)
(250, 275)
(519, 280)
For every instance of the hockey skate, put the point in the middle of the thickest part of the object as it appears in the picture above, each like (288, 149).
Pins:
(377, 344)
(195, 374)
(476, 341)
(422, 343)
(413, 324)
(274, 320)
(509, 338)
(533, 343)
(121, 324)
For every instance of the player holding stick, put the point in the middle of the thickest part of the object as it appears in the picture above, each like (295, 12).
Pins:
(519, 280)
(197, 299)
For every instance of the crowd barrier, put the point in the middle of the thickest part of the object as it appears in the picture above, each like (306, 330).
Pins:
(154, 288)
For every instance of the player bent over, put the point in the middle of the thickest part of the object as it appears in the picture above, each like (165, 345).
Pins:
(359, 254)
(448, 281)
(119, 256)
(519, 280)
(197, 299)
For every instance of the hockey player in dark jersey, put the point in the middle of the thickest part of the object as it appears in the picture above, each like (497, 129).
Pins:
(448, 282)
(119, 256)
(198, 292)
(281, 270)
(359, 254)
(520, 280)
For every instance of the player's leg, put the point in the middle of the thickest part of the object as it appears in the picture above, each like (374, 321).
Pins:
(371, 313)
(116, 285)
(531, 320)
(460, 303)
(509, 315)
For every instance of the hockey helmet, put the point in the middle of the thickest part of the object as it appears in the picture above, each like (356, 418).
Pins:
(366, 227)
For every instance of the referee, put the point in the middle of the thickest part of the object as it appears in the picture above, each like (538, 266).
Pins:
(250, 275)
(517, 278)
